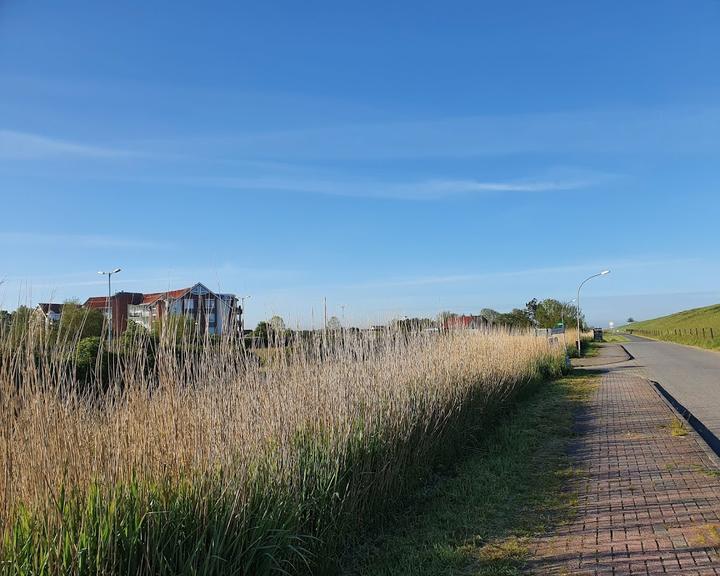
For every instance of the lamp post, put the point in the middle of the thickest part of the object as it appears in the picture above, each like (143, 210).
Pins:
(109, 309)
(577, 310)
(242, 314)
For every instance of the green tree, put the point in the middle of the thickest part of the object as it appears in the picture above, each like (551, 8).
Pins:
(20, 321)
(261, 334)
(277, 325)
(92, 363)
(261, 330)
(531, 311)
(135, 335)
(86, 353)
(490, 315)
(78, 322)
(5, 321)
(175, 326)
(630, 320)
(551, 312)
(333, 323)
(518, 318)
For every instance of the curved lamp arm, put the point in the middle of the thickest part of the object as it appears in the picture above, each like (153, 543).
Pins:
(577, 309)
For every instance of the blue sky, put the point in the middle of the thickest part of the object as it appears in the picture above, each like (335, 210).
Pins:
(397, 158)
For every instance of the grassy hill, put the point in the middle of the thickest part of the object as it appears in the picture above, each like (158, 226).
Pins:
(699, 327)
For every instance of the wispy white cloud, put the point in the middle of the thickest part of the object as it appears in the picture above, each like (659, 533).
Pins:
(616, 266)
(462, 186)
(20, 239)
(660, 131)
(417, 190)
(22, 145)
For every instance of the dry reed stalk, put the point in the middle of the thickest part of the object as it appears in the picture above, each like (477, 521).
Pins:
(330, 407)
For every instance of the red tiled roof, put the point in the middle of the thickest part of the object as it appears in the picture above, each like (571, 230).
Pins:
(150, 298)
(96, 302)
(172, 294)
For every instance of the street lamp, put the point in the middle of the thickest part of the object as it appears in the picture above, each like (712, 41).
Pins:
(242, 314)
(577, 310)
(109, 309)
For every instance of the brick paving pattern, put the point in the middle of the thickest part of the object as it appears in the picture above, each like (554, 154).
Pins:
(608, 355)
(648, 501)
(689, 374)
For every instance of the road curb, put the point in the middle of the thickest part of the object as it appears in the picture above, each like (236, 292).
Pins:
(711, 441)
(630, 356)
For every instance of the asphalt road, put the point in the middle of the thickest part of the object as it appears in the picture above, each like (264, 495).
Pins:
(691, 375)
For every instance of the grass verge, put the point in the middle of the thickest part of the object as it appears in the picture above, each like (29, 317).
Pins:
(479, 520)
(612, 337)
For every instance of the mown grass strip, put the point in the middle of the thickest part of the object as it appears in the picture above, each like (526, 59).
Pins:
(479, 520)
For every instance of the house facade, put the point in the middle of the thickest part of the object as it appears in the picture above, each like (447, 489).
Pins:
(467, 322)
(211, 312)
(50, 311)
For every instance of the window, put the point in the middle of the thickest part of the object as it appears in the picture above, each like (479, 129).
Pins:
(189, 304)
(210, 304)
(135, 311)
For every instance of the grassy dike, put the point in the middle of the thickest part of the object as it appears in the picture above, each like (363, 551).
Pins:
(696, 327)
(478, 519)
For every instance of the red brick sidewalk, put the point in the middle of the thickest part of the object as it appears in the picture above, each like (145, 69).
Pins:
(648, 500)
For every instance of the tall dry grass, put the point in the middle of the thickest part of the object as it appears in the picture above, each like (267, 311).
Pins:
(570, 339)
(192, 457)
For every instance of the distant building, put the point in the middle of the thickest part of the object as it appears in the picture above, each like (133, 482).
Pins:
(49, 312)
(466, 322)
(215, 313)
